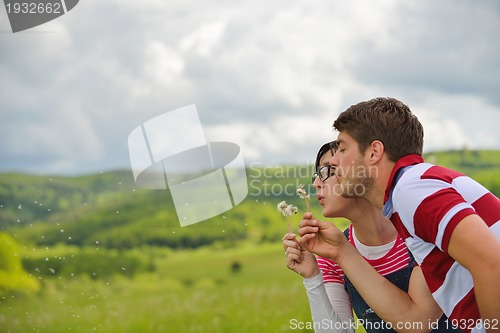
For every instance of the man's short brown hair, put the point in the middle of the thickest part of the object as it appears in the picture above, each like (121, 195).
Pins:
(385, 119)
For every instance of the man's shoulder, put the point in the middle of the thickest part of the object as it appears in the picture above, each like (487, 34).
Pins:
(417, 183)
(425, 171)
(413, 173)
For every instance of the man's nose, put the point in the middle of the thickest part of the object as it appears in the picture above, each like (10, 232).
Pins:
(334, 160)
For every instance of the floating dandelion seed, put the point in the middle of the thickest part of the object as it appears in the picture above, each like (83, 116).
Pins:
(303, 195)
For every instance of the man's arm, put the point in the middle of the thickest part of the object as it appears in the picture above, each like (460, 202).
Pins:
(388, 301)
(415, 310)
(475, 247)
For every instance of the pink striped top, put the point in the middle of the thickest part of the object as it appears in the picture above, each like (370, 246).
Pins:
(397, 258)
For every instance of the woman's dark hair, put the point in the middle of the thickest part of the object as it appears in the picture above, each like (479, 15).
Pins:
(327, 147)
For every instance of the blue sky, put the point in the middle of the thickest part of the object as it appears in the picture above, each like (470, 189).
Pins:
(270, 76)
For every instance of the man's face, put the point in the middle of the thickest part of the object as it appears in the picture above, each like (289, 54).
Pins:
(355, 178)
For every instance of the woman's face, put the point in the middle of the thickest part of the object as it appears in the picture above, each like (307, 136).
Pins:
(329, 193)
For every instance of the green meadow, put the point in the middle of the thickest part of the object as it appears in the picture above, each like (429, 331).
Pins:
(189, 291)
(96, 254)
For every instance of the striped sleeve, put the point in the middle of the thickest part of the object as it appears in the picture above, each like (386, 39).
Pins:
(429, 204)
(331, 271)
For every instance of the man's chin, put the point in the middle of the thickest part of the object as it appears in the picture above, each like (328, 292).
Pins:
(349, 195)
(351, 190)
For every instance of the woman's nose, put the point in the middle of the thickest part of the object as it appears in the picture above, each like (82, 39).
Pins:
(317, 183)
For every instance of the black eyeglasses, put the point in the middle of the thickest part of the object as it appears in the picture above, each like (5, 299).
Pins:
(324, 173)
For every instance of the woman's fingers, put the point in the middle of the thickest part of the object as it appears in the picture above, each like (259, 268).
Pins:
(291, 244)
(292, 250)
(293, 257)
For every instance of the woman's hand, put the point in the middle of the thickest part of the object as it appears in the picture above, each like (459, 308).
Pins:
(298, 259)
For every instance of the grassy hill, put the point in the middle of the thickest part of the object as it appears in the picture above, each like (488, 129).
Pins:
(109, 209)
(96, 253)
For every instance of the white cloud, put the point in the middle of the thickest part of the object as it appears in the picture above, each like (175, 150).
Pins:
(286, 138)
(162, 65)
(204, 39)
(455, 121)
(272, 77)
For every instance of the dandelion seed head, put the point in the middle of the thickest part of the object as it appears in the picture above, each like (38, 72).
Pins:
(302, 192)
(282, 206)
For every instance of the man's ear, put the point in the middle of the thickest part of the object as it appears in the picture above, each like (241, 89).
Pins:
(375, 152)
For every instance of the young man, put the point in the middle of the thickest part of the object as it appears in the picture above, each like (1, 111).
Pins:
(333, 296)
(450, 223)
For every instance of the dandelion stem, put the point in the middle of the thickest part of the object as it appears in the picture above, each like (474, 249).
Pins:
(307, 205)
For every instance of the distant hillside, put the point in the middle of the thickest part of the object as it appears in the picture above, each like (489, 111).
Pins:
(107, 209)
(30, 198)
(481, 165)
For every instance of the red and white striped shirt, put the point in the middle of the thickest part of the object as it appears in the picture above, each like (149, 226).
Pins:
(397, 258)
(428, 203)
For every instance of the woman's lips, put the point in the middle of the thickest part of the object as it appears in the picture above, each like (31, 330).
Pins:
(321, 199)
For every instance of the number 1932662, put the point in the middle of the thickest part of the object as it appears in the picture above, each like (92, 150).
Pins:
(469, 324)
(34, 8)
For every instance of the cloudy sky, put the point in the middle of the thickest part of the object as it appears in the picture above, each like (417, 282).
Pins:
(268, 75)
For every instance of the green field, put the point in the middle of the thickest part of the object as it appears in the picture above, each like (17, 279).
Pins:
(96, 254)
(190, 291)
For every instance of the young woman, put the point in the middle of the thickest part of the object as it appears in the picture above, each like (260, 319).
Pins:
(331, 294)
